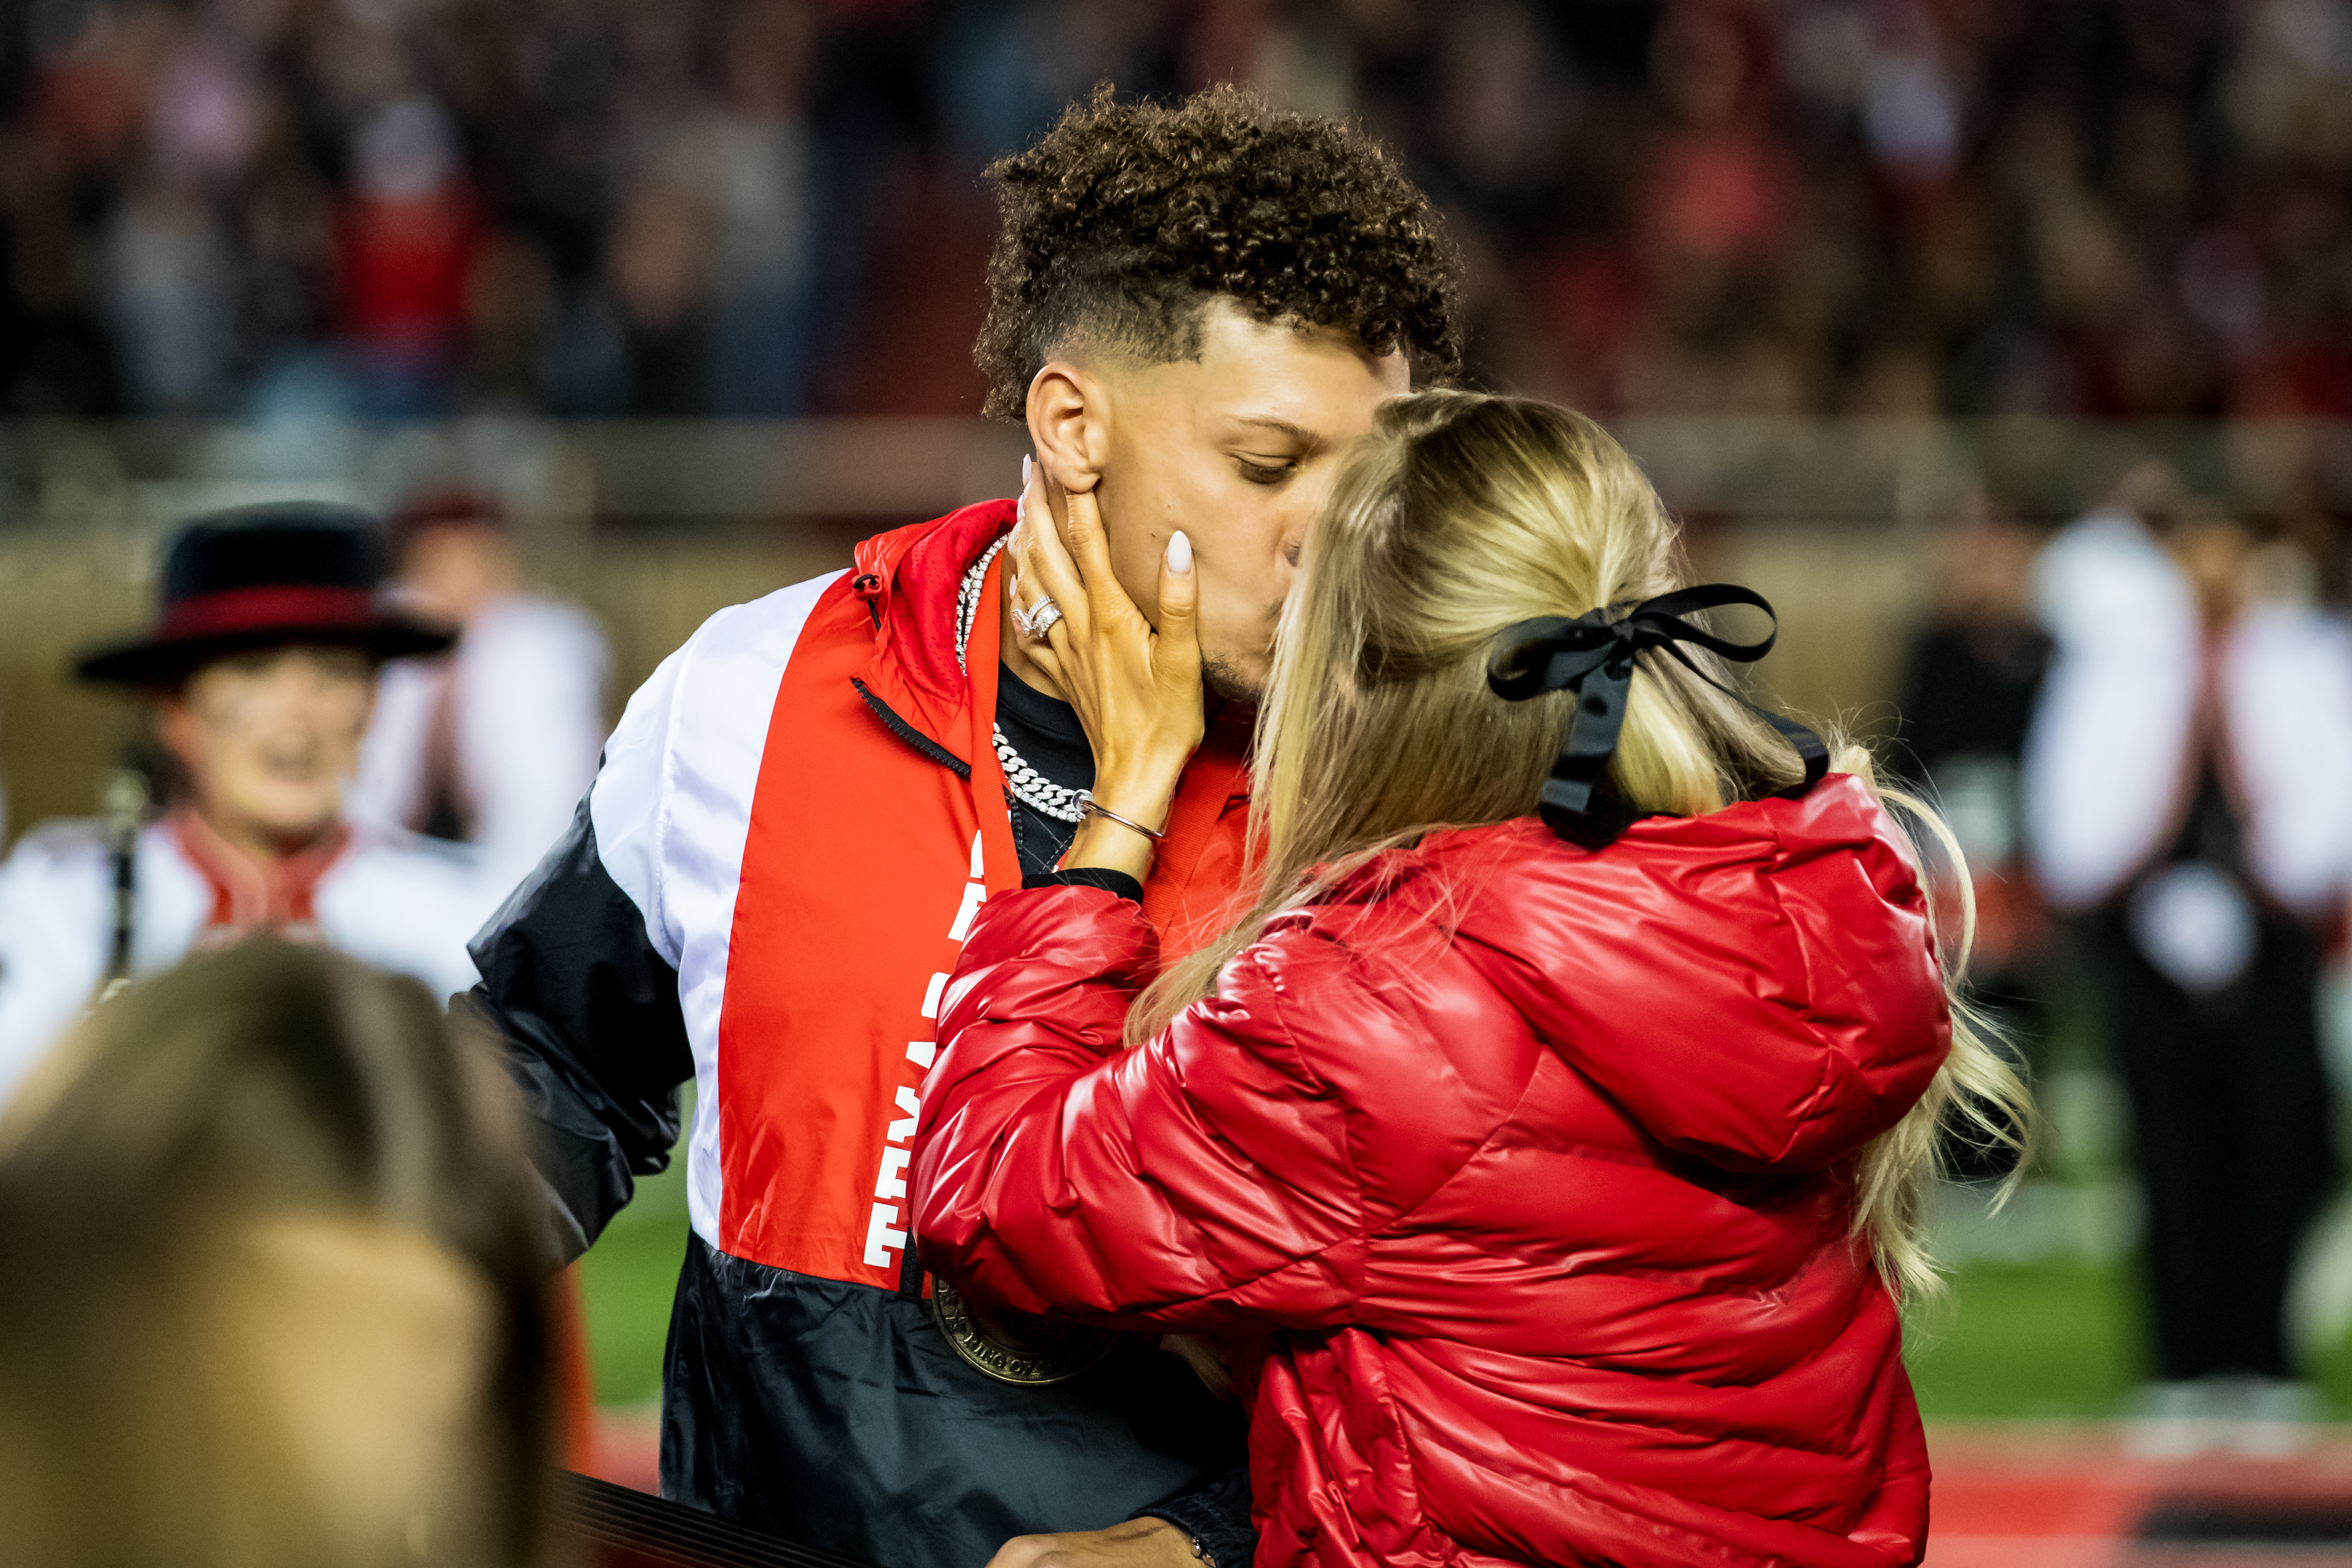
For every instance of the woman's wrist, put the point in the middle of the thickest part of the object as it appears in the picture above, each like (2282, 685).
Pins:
(1103, 844)
(1141, 792)
(1132, 797)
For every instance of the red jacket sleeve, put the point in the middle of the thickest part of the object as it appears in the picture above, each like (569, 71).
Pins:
(1201, 1181)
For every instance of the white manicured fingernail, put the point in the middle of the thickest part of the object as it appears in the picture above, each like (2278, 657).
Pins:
(1180, 552)
(1024, 472)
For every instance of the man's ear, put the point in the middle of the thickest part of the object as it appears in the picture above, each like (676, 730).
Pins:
(1069, 424)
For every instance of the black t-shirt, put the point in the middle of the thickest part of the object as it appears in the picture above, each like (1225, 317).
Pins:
(1047, 733)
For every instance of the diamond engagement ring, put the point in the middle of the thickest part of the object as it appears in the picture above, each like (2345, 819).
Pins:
(1037, 622)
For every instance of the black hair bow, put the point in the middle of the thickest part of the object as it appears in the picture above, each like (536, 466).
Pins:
(1592, 655)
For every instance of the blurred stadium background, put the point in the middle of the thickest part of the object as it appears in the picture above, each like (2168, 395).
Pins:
(692, 287)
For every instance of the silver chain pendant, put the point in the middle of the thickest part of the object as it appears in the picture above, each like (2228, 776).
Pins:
(1028, 785)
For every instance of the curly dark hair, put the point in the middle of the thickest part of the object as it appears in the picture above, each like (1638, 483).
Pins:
(1126, 218)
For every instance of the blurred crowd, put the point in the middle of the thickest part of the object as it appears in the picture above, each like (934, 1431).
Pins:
(766, 207)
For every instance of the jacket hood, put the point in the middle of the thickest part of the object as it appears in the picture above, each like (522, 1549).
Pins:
(1757, 986)
(909, 578)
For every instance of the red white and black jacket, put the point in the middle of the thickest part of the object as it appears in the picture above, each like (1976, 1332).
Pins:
(764, 892)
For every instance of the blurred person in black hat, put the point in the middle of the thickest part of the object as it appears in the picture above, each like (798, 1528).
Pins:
(292, 1309)
(261, 669)
(493, 742)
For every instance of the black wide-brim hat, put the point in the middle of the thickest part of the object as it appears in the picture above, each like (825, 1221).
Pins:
(266, 577)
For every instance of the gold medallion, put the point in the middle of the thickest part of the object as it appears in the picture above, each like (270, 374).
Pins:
(1030, 1352)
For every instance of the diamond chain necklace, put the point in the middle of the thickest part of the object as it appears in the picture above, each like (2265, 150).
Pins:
(1028, 786)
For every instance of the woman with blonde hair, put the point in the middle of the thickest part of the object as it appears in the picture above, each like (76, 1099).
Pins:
(272, 1288)
(1548, 1139)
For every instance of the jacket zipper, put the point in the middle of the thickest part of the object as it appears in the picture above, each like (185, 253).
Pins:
(911, 1272)
(912, 736)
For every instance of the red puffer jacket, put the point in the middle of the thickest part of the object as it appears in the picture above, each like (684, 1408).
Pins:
(1534, 1161)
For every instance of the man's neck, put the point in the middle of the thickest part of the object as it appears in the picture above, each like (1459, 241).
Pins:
(1013, 648)
(254, 842)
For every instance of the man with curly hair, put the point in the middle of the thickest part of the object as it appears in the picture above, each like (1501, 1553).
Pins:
(1195, 309)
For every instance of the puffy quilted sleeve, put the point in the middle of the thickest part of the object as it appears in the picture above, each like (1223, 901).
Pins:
(1200, 1182)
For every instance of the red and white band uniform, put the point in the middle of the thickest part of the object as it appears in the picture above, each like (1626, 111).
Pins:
(391, 900)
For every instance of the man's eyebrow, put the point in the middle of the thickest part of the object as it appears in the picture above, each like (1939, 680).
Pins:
(1298, 433)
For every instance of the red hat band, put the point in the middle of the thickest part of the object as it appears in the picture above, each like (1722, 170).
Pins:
(262, 609)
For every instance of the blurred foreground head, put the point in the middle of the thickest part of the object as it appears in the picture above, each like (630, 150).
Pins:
(270, 1292)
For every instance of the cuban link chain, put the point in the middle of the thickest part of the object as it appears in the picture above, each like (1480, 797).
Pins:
(1028, 786)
